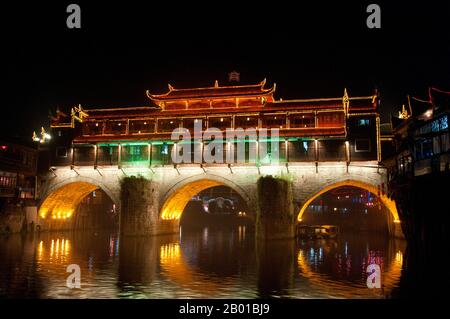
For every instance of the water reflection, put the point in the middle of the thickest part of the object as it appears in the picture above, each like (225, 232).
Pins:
(337, 269)
(209, 262)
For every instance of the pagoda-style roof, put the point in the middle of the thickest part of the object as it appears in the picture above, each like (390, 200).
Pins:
(440, 99)
(356, 104)
(121, 112)
(213, 92)
(396, 121)
(418, 106)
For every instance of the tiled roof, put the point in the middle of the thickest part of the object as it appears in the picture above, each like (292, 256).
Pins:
(215, 91)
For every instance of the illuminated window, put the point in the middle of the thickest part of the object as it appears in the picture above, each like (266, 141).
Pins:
(92, 128)
(190, 123)
(222, 123)
(135, 150)
(444, 122)
(363, 122)
(165, 149)
(7, 182)
(245, 122)
(142, 126)
(168, 125)
(116, 127)
(274, 121)
(330, 119)
(302, 120)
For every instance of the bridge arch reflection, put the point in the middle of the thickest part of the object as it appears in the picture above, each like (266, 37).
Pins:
(391, 266)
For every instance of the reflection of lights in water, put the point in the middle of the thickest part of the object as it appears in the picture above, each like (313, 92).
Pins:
(52, 248)
(205, 235)
(175, 268)
(399, 258)
(63, 247)
(59, 249)
(91, 263)
(40, 249)
(375, 258)
(341, 288)
(67, 247)
(241, 233)
(111, 246)
(169, 253)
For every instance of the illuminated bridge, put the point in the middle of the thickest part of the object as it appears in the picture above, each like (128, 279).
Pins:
(323, 144)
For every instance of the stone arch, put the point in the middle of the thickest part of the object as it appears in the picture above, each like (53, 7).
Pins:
(179, 194)
(99, 185)
(389, 203)
(61, 199)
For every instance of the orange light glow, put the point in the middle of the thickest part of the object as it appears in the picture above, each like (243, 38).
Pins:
(62, 203)
(177, 201)
(389, 203)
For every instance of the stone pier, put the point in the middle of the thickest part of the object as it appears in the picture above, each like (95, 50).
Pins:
(275, 218)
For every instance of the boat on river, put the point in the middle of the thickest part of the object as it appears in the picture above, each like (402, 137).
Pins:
(317, 231)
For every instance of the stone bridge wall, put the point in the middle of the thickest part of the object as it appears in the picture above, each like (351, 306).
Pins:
(307, 180)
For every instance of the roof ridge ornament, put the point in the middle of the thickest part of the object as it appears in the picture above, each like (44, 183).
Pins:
(345, 102)
(216, 84)
(78, 114)
(403, 114)
(234, 76)
(170, 87)
(263, 82)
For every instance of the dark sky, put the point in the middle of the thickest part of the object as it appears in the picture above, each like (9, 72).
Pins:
(124, 48)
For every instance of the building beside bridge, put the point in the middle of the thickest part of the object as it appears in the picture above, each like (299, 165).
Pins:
(419, 171)
(18, 170)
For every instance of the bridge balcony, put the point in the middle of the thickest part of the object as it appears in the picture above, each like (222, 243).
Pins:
(262, 153)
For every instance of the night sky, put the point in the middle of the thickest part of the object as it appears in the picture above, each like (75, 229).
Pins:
(125, 48)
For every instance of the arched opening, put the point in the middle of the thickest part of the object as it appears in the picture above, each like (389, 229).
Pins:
(78, 206)
(207, 203)
(351, 205)
(216, 206)
(205, 199)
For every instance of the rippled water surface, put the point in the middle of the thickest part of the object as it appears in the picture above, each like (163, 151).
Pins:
(208, 263)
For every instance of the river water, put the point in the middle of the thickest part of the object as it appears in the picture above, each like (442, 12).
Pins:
(202, 263)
